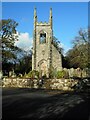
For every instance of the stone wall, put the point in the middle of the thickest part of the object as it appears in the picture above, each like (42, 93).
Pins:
(61, 84)
(18, 82)
(56, 59)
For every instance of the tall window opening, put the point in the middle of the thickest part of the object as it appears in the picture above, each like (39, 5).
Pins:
(43, 38)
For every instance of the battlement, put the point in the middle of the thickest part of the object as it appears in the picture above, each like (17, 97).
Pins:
(42, 23)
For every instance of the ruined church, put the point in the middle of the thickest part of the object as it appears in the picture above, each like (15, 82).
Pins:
(45, 55)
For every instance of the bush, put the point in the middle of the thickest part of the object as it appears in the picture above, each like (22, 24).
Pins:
(52, 72)
(60, 74)
(33, 74)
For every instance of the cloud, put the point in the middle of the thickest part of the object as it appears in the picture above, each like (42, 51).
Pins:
(24, 42)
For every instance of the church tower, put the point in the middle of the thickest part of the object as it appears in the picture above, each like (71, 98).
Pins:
(44, 55)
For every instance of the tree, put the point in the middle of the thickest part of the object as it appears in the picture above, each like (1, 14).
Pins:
(65, 62)
(24, 64)
(8, 35)
(78, 55)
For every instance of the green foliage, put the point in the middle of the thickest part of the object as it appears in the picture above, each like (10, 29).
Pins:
(33, 74)
(62, 74)
(78, 55)
(12, 56)
(52, 72)
(24, 64)
(8, 35)
(65, 62)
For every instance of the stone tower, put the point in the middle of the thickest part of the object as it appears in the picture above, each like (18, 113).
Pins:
(44, 55)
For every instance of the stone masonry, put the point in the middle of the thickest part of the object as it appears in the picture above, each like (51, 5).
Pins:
(45, 55)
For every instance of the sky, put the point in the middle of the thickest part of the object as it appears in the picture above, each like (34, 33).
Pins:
(68, 18)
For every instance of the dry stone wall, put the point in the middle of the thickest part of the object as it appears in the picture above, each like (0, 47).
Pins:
(61, 84)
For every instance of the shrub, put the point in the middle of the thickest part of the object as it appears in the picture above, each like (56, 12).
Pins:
(33, 74)
(52, 72)
(60, 74)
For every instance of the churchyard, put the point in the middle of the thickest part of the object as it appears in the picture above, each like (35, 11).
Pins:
(41, 81)
(53, 98)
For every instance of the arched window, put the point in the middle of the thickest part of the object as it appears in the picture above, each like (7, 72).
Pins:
(42, 38)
